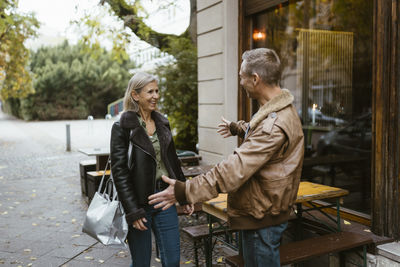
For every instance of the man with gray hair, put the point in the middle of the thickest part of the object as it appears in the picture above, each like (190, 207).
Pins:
(262, 176)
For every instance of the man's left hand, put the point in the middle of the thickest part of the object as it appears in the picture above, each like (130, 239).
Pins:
(165, 198)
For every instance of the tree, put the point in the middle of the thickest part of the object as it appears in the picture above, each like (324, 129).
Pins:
(178, 79)
(178, 85)
(71, 84)
(15, 28)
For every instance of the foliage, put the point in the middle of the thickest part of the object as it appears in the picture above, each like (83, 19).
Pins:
(94, 30)
(71, 84)
(130, 15)
(15, 28)
(178, 84)
(178, 80)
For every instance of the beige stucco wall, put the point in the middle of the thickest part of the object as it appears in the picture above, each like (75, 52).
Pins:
(217, 36)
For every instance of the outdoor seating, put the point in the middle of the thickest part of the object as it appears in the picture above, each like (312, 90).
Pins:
(199, 234)
(94, 179)
(84, 167)
(299, 251)
(216, 209)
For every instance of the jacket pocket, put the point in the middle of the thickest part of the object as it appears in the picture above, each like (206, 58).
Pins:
(240, 200)
(279, 193)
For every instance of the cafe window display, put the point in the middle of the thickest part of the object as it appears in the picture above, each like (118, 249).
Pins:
(326, 52)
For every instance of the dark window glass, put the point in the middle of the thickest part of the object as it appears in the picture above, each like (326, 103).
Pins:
(326, 52)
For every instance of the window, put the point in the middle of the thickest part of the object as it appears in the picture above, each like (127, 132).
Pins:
(326, 52)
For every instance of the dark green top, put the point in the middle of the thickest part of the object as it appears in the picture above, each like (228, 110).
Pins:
(160, 168)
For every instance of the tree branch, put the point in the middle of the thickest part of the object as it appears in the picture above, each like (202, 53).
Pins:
(128, 14)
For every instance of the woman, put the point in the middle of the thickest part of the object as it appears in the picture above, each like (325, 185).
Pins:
(143, 137)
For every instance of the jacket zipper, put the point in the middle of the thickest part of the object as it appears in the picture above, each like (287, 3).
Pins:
(154, 178)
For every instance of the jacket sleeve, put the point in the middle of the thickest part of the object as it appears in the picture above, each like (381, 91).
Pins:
(238, 128)
(119, 166)
(233, 172)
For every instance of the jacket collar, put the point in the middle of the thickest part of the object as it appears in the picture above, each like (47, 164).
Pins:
(129, 120)
(284, 99)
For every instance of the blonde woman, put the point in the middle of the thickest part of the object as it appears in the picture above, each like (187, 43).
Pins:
(144, 134)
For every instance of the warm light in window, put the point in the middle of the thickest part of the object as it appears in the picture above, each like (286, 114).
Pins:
(257, 35)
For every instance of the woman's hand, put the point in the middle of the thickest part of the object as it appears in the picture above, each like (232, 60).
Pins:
(139, 224)
(188, 209)
(223, 128)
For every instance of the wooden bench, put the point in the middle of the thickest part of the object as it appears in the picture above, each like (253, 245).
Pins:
(200, 233)
(190, 160)
(93, 182)
(84, 167)
(298, 251)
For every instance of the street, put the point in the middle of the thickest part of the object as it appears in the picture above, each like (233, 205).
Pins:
(41, 207)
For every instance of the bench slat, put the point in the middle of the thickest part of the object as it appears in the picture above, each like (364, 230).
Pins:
(235, 260)
(298, 251)
(313, 247)
(200, 231)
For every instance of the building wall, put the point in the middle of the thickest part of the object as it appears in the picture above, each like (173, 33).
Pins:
(217, 36)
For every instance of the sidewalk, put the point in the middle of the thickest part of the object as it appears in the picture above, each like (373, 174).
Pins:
(41, 207)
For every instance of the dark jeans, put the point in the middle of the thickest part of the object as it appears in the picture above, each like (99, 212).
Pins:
(261, 246)
(164, 224)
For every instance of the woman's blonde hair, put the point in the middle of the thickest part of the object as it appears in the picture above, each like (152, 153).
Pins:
(137, 82)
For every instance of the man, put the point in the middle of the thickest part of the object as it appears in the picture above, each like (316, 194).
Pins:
(262, 176)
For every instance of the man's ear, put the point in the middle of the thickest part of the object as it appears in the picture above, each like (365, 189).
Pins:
(256, 78)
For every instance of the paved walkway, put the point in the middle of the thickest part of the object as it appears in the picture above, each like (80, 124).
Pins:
(41, 207)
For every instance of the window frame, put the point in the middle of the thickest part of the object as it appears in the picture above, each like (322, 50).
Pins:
(385, 150)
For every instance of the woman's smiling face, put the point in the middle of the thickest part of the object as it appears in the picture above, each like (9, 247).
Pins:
(148, 97)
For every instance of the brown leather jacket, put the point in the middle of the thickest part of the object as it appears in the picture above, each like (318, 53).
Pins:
(262, 176)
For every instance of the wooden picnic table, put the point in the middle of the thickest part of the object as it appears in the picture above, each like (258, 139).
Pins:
(307, 193)
(101, 155)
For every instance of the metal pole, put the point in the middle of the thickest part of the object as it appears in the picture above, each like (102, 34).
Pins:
(68, 128)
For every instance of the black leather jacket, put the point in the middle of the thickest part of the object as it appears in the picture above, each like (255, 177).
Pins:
(135, 183)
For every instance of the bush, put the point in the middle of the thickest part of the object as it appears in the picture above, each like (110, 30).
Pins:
(178, 84)
(70, 83)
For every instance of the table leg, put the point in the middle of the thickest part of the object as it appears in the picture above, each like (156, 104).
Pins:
(101, 162)
(299, 224)
(208, 243)
(338, 214)
(365, 256)
(241, 243)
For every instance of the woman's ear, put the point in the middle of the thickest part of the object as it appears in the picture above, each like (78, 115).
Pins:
(135, 95)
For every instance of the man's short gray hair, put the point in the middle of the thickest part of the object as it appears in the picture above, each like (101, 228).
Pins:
(137, 82)
(265, 62)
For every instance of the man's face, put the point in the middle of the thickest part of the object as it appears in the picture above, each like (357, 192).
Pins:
(246, 81)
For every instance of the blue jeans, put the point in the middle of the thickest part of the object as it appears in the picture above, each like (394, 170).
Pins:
(261, 246)
(164, 224)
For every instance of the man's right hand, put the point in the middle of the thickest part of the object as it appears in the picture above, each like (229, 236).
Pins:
(139, 224)
(223, 128)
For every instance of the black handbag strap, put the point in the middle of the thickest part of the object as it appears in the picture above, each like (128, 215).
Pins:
(104, 175)
(109, 184)
(110, 179)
